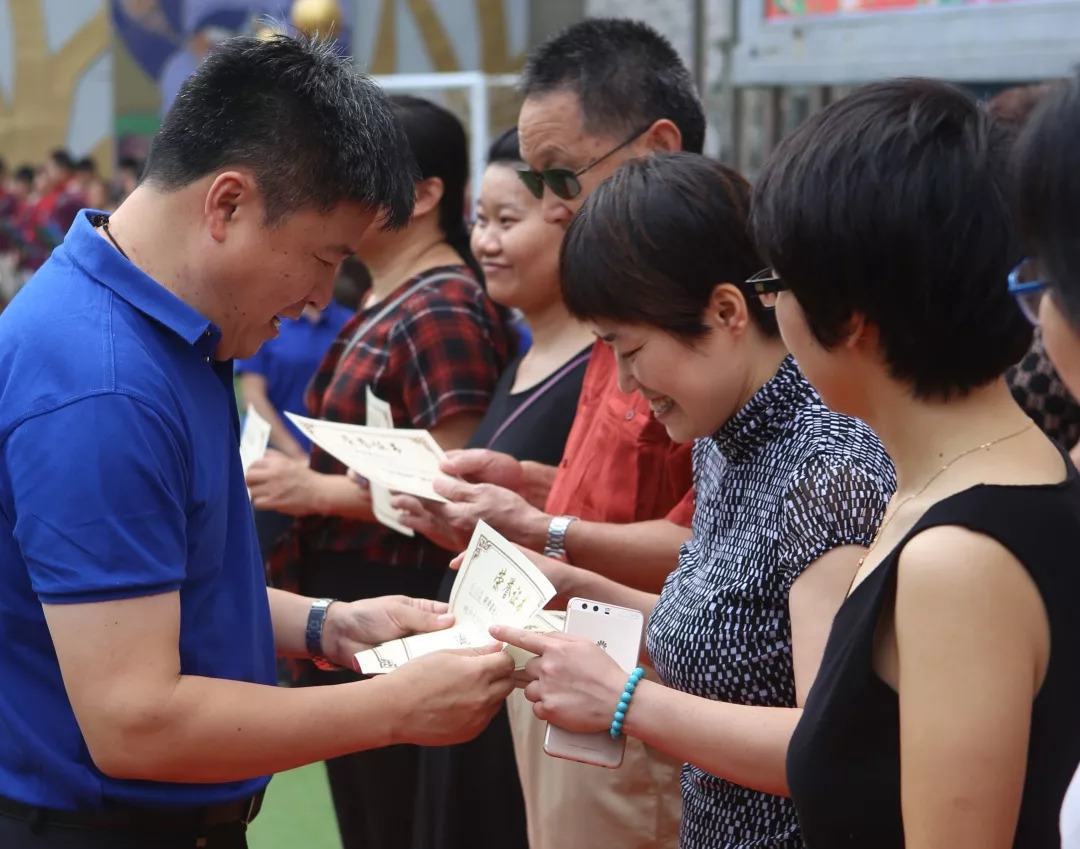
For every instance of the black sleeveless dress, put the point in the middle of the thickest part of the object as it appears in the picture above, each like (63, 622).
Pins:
(843, 764)
(469, 795)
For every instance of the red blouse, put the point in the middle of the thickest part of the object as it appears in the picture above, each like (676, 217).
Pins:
(619, 464)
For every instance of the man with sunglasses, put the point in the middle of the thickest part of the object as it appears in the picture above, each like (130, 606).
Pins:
(597, 95)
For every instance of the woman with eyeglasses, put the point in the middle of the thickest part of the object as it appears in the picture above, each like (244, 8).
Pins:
(1048, 285)
(1035, 383)
(944, 713)
(788, 496)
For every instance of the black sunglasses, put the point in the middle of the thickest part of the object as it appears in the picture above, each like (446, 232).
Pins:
(764, 285)
(564, 182)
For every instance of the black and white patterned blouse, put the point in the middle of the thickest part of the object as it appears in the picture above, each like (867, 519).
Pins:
(782, 483)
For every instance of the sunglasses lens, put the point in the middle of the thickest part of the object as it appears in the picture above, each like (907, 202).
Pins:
(563, 183)
(533, 182)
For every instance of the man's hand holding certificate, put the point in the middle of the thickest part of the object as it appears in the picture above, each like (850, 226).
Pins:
(496, 585)
(400, 460)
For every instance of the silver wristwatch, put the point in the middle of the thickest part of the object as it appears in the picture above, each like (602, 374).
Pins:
(556, 536)
(314, 632)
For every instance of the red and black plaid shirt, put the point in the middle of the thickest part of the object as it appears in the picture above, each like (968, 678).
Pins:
(437, 354)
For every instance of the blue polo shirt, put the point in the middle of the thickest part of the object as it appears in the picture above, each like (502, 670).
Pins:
(290, 360)
(119, 477)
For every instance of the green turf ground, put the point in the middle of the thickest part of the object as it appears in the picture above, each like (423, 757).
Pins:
(297, 813)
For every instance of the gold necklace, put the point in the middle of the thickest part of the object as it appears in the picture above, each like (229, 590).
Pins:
(934, 477)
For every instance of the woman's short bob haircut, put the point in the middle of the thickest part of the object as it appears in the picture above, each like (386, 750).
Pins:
(1048, 194)
(653, 241)
(891, 204)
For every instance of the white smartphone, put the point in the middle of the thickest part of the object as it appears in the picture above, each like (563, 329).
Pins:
(617, 630)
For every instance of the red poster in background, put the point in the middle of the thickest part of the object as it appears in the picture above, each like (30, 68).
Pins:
(786, 9)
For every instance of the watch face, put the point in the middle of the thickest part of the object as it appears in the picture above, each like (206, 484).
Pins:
(313, 632)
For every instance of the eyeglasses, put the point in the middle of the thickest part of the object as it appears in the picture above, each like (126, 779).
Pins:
(765, 286)
(564, 182)
(1027, 286)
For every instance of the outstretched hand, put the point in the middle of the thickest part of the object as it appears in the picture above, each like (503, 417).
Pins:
(480, 465)
(449, 697)
(355, 626)
(283, 484)
(573, 683)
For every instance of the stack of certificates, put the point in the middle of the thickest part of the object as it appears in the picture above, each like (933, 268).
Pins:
(496, 585)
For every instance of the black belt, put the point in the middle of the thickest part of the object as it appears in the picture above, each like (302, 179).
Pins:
(240, 812)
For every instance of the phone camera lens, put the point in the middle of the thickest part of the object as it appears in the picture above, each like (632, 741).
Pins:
(584, 607)
(595, 608)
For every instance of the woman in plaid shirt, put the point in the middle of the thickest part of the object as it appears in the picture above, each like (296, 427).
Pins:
(428, 341)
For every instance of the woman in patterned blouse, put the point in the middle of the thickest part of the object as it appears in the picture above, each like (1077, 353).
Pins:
(789, 495)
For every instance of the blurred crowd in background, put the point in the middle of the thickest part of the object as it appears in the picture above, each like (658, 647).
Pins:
(39, 202)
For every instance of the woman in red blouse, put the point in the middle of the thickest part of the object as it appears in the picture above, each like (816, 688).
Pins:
(429, 342)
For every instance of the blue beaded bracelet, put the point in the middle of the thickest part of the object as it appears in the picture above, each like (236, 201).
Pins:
(624, 702)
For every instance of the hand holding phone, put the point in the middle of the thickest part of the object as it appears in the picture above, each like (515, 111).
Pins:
(616, 630)
(576, 682)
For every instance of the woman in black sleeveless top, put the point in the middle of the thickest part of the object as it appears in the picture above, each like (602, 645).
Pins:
(939, 717)
(469, 796)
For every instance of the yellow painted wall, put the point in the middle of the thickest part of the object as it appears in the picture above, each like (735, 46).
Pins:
(34, 120)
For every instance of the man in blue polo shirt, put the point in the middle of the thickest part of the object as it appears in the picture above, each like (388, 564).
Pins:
(137, 703)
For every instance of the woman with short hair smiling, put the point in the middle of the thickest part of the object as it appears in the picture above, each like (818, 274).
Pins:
(788, 496)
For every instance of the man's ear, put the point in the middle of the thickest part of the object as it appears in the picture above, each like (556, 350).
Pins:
(663, 137)
(231, 196)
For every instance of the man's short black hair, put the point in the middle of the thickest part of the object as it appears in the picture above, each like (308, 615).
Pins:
(25, 174)
(313, 131)
(891, 204)
(1048, 191)
(625, 74)
(653, 241)
(86, 165)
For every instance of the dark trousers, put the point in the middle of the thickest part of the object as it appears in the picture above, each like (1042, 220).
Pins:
(20, 834)
(374, 791)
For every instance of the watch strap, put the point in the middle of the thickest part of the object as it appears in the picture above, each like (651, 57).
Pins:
(556, 536)
(314, 632)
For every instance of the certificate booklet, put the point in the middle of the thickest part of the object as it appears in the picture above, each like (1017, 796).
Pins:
(379, 414)
(496, 585)
(254, 439)
(399, 460)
